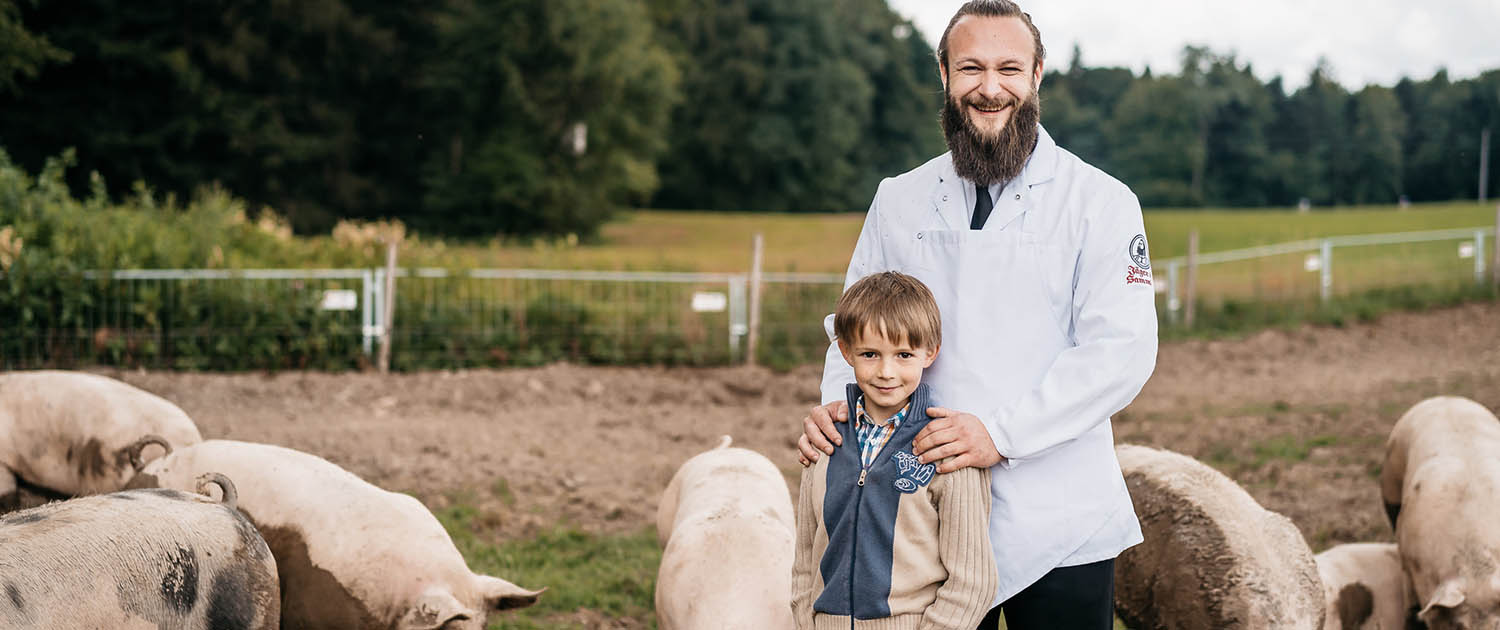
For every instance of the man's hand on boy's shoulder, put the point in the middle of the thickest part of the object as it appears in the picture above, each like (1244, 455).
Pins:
(818, 432)
(958, 435)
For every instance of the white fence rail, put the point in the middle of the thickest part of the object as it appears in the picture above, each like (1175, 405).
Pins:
(1414, 266)
(193, 318)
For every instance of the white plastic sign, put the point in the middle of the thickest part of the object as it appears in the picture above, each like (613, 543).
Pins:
(710, 302)
(340, 300)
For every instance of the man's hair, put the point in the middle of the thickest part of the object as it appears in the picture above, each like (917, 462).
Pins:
(897, 305)
(991, 8)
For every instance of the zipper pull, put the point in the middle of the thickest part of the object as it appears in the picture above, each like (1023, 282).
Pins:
(862, 476)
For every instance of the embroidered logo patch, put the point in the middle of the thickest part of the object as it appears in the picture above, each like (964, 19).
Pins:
(914, 474)
(1138, 252)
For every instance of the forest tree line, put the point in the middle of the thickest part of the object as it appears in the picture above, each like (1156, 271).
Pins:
(526, 117)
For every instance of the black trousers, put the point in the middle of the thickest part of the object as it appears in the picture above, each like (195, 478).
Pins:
(1066, 598)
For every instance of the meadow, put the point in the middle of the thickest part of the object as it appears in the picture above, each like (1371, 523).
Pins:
(658, 240)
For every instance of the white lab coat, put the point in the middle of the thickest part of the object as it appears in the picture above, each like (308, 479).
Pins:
(1049, 327)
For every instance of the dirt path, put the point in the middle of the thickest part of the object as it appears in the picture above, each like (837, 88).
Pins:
(1297, 417)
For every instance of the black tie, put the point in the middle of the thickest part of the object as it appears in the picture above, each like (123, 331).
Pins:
(982, 206)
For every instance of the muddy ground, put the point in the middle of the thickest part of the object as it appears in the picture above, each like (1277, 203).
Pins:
(1299, 417)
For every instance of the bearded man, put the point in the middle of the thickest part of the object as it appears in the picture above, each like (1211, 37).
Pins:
(1039, 265)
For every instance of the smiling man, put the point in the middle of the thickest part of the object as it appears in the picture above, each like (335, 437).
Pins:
(1039, 265)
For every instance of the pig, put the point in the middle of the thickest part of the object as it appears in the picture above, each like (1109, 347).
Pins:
(75, 433)
(1213, 557)
(137, 560)
(727, 531)
(350, 555)
(1364, 588)
(1441, 486)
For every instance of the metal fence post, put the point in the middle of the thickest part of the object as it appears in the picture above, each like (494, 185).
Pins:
(367, 311)
(1192, 279)
(377, 299)
(1479, 257)
(1325, 277)
(1173, 302)
(738, 325)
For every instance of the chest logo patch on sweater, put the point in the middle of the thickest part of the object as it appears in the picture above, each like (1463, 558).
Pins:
(914, 474)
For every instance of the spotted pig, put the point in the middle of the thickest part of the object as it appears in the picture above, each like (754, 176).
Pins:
(137, 560)
(1365, 588)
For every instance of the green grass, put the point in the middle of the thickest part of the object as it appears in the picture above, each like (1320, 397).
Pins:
(1234, 461)
(1220, 229)
(657, 240)
(1291, 448)
(613, 575)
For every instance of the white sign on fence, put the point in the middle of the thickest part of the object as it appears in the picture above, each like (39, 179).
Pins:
(1466, 249)
(340, 300)
(1313, 262)
(710, 302)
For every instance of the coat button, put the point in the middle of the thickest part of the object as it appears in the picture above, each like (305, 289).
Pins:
(945, 197)
(1018, 196)
(919, 236)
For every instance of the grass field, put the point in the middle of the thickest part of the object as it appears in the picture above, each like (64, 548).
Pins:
(647, 240)
(1234, 296)
(610, 576)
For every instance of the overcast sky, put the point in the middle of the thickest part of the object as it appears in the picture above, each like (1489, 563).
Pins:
(1365, 41)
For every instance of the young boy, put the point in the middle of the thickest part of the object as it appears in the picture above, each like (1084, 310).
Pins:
(882, 540)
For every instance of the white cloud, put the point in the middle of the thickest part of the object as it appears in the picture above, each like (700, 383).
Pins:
(1365, 41)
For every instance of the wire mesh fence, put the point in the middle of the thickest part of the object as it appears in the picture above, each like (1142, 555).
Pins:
(1321, 271)
(190, 320)
(331, 318)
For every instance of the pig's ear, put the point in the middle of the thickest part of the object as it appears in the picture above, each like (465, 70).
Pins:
(501, 595)
(433, 610)
(1447, 596)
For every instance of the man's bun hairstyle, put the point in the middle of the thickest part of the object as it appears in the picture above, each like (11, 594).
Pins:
(990, 8)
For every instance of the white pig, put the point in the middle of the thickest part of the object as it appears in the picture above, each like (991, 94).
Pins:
(1213, 557)
(1441, 486)
(351, 556)
(727, 531)
(76, 433)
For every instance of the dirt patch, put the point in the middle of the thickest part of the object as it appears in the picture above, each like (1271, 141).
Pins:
(1298, 417)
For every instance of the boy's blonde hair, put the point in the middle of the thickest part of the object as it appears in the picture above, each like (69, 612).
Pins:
(897, 305)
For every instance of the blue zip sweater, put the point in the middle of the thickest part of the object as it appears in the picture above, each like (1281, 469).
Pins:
(895, 545)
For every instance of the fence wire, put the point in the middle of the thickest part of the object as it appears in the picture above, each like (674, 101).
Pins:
(331, 318)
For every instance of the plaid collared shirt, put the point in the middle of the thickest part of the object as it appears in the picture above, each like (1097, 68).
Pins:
(872, 437)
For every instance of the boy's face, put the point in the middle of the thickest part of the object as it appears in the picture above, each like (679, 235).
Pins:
(887, 372)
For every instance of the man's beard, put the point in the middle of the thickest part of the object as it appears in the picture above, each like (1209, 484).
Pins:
(987, 160)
